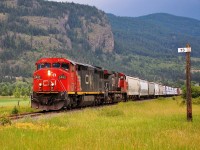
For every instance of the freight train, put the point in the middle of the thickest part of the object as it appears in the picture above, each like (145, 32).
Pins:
(61, 83)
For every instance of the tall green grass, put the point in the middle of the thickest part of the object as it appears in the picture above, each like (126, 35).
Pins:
(7, 104)
(157, 124)
(11, 101)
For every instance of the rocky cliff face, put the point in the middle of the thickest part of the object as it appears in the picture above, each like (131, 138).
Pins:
(101, 37)
(97, 35)
(70, 27)
(30, 29)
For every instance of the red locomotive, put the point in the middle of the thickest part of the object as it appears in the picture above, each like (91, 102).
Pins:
(61, 83)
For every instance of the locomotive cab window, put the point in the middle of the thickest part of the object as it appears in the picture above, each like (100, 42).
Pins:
(44, 65)
(65, 66)
(56, 65)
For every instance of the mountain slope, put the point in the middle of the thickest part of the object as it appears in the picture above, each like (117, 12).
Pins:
(37, 28)
(156, 33)
(148, 45)
(144, 46)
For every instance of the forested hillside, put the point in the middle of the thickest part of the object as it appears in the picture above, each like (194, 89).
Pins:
(155, 34)
(30, 29)
(151, 43)
(143, 46)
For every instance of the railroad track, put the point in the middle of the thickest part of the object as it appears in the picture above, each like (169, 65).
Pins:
(24, 115)
(33, 114)
(36, 114)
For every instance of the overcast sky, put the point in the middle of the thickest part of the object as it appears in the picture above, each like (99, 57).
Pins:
(134, 8)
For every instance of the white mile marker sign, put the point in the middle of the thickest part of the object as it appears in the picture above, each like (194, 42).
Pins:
(184, 50)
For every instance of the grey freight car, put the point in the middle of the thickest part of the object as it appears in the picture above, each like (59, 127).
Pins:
(151, 89)
(133, 87)
(144, 88)
(160, 89)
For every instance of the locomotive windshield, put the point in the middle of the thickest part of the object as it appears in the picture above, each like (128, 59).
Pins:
(56, 65)
(43, 65)
(65, 66)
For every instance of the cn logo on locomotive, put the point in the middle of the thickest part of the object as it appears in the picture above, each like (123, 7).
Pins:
(48, 83)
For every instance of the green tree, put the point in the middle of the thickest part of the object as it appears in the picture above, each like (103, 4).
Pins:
(17, 92)
(5, 90)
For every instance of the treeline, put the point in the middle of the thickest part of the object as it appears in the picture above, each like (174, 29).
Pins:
(195, 93)
(7, 71)
(17, 89)
(53, 10)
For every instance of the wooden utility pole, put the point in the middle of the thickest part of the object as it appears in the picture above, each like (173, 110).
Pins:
(187, 50)
(188, 85)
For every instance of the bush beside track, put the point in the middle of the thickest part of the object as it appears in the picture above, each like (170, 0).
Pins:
(195, 94)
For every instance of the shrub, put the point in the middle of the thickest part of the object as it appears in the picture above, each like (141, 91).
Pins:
(15, 110)
(195, 92)
(4, 120)
(184, 92)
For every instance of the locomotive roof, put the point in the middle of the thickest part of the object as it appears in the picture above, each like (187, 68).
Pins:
(87, 65)
(52, 60)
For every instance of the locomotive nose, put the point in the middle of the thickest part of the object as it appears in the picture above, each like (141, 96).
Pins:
(50, 80)
(46, 81)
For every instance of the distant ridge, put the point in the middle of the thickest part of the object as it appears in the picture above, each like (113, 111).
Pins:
(153, 40)
(141, 46)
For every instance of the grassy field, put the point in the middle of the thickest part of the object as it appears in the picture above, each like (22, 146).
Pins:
(8, 103)
(157, 124)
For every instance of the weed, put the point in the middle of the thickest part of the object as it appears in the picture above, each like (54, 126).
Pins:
(112, 113)
(15, 110)
(4, 120)
(160, 98)
(174, 98)
(196, 101)
(183, 102)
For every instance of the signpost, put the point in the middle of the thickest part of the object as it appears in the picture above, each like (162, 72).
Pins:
(187, 50)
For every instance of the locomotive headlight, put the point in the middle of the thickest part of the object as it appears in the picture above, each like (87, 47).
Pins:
(40, 84)
(49, 73)
(52, 84)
